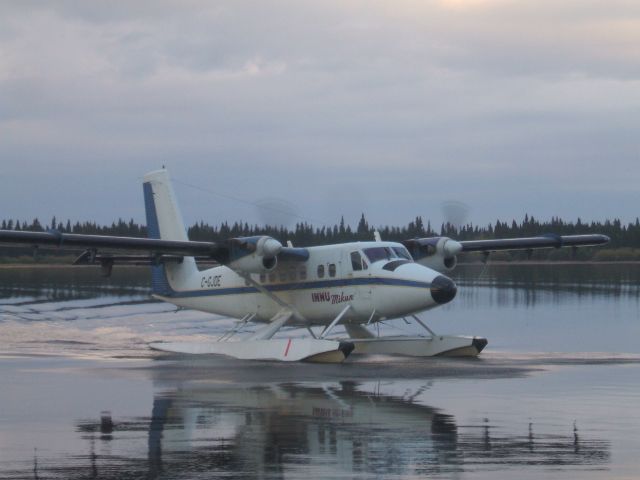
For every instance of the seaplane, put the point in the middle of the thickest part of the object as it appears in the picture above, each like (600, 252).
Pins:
(258, 280)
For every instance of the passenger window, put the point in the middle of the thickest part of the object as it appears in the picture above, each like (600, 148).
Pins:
(263, 278)
(356, 261)
(332, 269)
(292, 273)
(303, 273)
(272, 277)
(320, 271)
(364, 264)
(282, 275)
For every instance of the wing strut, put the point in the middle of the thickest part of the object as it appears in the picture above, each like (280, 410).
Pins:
(277, 322)
(274, 297)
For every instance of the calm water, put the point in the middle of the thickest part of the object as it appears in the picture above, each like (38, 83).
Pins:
(556, 392)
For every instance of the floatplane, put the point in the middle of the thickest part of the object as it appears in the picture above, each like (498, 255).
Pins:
(259, 280)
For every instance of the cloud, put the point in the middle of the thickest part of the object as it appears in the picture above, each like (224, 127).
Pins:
(386, 108)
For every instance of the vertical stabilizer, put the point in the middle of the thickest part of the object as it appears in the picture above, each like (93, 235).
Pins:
(159, 196)
(164, 221)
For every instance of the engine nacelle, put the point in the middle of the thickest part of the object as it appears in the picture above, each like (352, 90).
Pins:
(254, 254)
(437, 253)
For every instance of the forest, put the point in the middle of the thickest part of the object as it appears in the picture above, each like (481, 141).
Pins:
(624, 245)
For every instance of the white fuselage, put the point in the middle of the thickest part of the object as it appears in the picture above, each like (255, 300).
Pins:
(318, 289)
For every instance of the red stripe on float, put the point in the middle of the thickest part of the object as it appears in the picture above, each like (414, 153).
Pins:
(287, 349)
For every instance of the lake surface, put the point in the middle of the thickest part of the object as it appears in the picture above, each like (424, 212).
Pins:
(556, 392)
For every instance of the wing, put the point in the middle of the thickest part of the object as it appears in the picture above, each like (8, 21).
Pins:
(531, 243)
(100, 248)
(440, 253)
(70, 241)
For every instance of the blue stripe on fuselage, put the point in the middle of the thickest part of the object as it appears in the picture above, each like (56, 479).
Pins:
(285, 287)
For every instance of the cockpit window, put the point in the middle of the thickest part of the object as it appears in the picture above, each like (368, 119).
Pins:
(375, 254)
(402, 253)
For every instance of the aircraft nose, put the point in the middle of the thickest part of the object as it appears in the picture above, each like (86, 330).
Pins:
(443, 289)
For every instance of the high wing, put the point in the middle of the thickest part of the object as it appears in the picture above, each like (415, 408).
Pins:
(440, 253)
(101, 248)
(69, 241)
(530, 243)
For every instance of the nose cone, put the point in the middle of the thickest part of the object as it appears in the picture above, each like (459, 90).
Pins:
(443, 289)
(271, 247)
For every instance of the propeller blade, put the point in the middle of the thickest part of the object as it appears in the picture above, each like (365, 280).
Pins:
(455, 213)
(276, 212)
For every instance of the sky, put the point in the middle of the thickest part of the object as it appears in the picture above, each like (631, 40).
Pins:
(321, 109)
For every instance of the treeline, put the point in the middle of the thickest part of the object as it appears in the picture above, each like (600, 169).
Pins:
(623, 236)
(120, 228)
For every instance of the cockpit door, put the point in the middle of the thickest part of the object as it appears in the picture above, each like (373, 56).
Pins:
(359, 273)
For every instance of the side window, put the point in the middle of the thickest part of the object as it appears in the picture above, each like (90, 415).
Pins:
(364, 264)
(263, 278)
(356, 261)
(282, 275)
(292, 273)
(303, 273)
(272, 277)
(332, 269)
(320, 271)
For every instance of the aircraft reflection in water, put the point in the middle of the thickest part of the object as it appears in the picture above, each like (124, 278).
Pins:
(320, 430)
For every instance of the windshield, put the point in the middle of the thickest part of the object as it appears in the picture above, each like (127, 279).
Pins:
(402, 253)
(375, 254)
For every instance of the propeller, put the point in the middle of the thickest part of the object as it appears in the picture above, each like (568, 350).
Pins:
(271, 247)
(455, 213)
(451, 248)
(266, 246)
(276, 212)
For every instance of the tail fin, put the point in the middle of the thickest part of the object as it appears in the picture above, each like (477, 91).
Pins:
(165, 221)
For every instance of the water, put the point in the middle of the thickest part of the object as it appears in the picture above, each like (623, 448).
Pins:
(555, 393)
(548, 307)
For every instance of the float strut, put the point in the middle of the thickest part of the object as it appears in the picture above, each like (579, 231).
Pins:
(371, 316)
(241, 323)
(334, 323)
(433, 334)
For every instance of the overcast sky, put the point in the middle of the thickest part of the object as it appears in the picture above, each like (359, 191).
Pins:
(387, 108)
